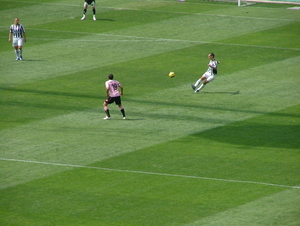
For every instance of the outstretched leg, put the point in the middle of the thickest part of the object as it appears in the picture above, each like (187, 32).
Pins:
(202, 86)
(196, 84)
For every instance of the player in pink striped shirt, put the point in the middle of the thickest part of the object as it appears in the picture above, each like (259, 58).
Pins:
(113, 95)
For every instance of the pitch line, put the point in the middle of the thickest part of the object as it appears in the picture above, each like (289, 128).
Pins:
(148, 173)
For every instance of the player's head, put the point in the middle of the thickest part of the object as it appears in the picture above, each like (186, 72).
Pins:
(16, 21)
(111, 76)
(211, 56)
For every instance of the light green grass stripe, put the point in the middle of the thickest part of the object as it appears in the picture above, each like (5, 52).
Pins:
(103, 37)
(278, 209)
(197, 27)
(29, 14)
(150, 173)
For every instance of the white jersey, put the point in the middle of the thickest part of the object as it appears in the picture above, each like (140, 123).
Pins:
(211, 70)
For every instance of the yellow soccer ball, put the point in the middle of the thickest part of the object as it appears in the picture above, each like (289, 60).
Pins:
(172, 74)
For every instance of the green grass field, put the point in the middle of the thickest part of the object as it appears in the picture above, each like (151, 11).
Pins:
(227, 156)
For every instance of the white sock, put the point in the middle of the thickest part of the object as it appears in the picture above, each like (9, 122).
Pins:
(201, 87)
(17, 52)
(198, 82)
(20, 52)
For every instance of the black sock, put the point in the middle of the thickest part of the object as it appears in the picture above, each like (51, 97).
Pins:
(123, 112)
(107, 113)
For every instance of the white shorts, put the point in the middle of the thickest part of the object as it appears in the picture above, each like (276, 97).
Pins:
(17, 42)
(85, 4)
(209, 76)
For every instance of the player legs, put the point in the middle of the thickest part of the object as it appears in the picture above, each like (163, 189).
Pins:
(20, 48)
(122, 111)
(20, 52)
(201, 87)
(106, 109)
(93, 4)
(118, 102)
(198, 82)
(94, 12)
(17, 44)
(206, 80)
(17, 52)
(85, 5)
(110, 100)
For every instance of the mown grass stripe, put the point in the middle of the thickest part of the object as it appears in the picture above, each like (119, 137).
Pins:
(151, 173)
(146, 39)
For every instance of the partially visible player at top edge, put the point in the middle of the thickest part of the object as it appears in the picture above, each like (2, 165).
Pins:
(113, 95)
(17, 32)
(85, 6)
(209, 75)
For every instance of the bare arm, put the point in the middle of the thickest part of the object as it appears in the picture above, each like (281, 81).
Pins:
(9, 37)
(24, 35)
(121, 88)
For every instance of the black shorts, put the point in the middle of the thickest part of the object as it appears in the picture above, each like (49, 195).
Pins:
(89, 1)
(110, 100)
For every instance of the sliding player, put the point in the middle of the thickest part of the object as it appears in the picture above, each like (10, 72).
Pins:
(209, 75)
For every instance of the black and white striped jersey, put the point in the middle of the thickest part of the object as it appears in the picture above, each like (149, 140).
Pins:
(17, 30)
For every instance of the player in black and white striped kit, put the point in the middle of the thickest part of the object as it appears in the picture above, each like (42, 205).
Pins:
(209, 75)
(85, 5)
(17, 31)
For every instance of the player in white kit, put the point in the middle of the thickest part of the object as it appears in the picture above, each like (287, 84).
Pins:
(209, 75)
(113, 95)
(17, 32)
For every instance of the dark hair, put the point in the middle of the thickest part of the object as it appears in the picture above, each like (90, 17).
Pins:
(212, 54)
(111, 76)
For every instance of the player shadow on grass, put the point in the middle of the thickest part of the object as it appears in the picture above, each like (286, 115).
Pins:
(130, 119)
(232, 93)
(33, 60)
(103, 19)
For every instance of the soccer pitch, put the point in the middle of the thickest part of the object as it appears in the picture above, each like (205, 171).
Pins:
(228, 155)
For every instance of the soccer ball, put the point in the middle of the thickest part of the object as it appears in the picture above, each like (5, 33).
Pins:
(171, 74)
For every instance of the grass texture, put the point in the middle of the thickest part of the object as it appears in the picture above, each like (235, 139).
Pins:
(228, 155)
